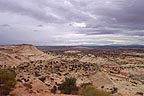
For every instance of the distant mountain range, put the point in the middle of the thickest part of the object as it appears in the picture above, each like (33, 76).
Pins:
(83, 47)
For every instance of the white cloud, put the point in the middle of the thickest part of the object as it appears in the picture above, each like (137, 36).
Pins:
(76, 24)
(68, 3)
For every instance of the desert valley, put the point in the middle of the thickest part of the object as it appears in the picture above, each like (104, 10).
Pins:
(41, 70)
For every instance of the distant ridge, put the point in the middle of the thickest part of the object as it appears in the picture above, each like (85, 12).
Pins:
(15, 54)
(89, 47)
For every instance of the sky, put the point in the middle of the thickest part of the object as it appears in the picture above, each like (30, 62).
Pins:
(72, 22)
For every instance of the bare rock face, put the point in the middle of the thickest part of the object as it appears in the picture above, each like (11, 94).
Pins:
(27, 50)
(13, 55)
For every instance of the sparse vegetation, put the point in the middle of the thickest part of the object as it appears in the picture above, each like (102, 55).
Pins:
(37, 73)
(114, 90)
(69, 86)
(42, 79)
(7, 81)
(27, 85)
(54, 89)
(91, 90)
(140, 93)
(102, 67)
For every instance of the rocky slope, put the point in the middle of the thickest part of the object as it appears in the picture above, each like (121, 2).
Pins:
(16, 54)
(106, 70)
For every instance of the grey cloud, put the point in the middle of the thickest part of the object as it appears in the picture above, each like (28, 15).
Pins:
(102, 17)
(28, 9)
(99, 31)
(137, 33)
(40, 25)
(5, 25)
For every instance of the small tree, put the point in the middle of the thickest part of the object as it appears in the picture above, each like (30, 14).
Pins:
(68, 86)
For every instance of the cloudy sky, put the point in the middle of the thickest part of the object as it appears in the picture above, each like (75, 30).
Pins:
(72, 22)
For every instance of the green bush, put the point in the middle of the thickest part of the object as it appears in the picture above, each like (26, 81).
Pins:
(69, 86)
(92, 91)
(7, 81)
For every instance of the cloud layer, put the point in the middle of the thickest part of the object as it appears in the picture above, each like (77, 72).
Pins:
(72, 22)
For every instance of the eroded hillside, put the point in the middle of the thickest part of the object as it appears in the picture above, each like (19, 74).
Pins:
(118, 71)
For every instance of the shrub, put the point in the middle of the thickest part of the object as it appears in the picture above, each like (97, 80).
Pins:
(92, 91)
(42, 79)
(27, 85)
(85, 84)
(37, 73)
(69, 86)
(114, 90)
(7, 81)
(54, 89)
